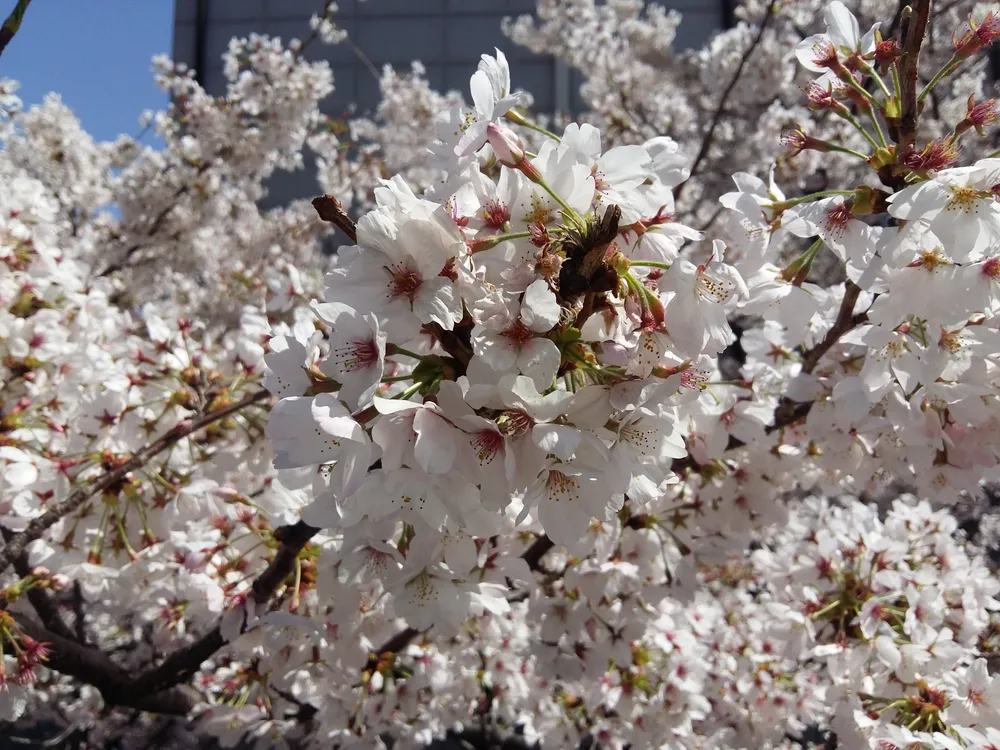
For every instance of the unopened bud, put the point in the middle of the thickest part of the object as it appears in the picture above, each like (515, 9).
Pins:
(506, 145)
(509, 151)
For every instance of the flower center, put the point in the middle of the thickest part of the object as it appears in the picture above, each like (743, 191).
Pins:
(538, 214)
(518, 334)
(837, 217)
(824, 53)
(694, 380)
(930, 261)
(404, 282)
(950, 340)
(964, 199)
(562, 487)
(991, 269)
(495, 214)
(356, 355)
(487, 444)
(712, 289)
(515, 422)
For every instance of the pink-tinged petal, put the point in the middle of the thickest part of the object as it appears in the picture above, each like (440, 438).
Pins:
(438, 302)
(20, 475)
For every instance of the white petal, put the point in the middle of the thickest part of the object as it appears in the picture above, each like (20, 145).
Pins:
(540, 309)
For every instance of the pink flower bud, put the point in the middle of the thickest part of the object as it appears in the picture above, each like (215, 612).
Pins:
(506, 145)
(509, 151)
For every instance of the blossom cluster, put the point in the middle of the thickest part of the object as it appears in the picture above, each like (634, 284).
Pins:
(509, 465)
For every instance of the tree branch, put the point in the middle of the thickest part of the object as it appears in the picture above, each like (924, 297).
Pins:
(157, 689)
(709, 137)
(184, 662)
(16, 545)
(913, 38)
(13, 23)
(789, 412)
(845, 321)
(330, 209)
(39, 599)
(456, 346)
(93, 667)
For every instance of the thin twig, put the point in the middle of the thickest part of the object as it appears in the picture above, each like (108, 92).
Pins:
(332, 210)
(184, 662)
(789, 412)
(845, 321)
(13, 23)
(707, 140)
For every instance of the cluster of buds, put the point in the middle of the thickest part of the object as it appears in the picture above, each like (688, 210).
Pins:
(24, 652)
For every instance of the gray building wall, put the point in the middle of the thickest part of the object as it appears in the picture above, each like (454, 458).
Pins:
(447, 36)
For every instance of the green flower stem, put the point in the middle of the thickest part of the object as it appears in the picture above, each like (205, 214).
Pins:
(873, 74)
(878, 128)
(895, 80)
(798, 269)
(392, 350)
(565, 206)
(519, 119)
(487, 243)
(649, 264)
(786, 204)
(948, 69)
(862, 90)
(404, 395)
(850, 118)
(845, 150)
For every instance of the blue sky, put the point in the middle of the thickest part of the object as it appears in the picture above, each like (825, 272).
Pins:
(94, 53)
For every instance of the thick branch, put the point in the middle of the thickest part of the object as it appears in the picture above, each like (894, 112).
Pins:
(451, 342)
(916, 27)
(93, 667)
(16, 545)
(709, 137)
